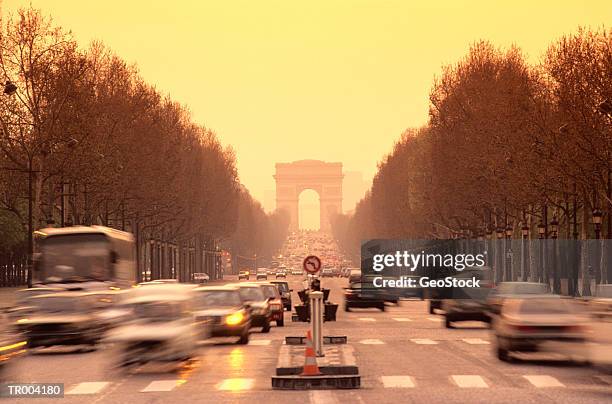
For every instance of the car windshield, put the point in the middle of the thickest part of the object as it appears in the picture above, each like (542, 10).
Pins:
(224, 298)
(158, 311)
(545, 306)
(283, 287)
(269, 291)
(253, 294)
(75, 257)
(520, 288)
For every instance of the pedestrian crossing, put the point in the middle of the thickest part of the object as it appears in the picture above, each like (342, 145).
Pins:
(472, 381)
(463, 381)
(428, 341)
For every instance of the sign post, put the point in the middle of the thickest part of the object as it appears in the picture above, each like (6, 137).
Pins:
(312, 265)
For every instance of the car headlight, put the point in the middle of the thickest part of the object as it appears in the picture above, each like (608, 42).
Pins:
(234, 318)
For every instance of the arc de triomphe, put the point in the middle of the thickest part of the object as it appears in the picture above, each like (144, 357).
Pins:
(324, 178)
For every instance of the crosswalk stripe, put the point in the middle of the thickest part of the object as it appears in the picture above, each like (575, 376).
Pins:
(475, 341)
(397, 381)
(236, 384)
(434, 318)
(371, 342)
(87, 388)
(162, 385)
(543, 381)
(424, 341)
(469, 381)
(260, 342)
(401, 319)
(367, 319)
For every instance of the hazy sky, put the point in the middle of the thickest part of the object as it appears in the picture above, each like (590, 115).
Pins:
(287, 80)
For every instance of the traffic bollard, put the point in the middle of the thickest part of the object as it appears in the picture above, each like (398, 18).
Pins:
(316, 320)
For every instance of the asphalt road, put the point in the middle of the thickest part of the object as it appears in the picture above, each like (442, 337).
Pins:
(405, 355)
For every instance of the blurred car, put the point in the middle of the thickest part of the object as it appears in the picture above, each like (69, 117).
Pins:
(327, 273)
(23, 306)
(281, 274)
(296, 271)
(253, 297)
(539, 323)
(162, 327)
(12, 346)
(509, 290)
(360, 296)
(221, 309)
(244, 275)
(283, 288)
(469, 304)
(275, 301)
(63, 318)
(262, 274)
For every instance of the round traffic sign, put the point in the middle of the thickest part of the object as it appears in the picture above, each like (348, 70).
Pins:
(312, 264)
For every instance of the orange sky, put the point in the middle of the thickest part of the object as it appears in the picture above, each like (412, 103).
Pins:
(288, 80)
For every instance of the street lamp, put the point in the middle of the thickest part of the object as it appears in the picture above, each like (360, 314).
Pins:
(500, 233)
(555, 228)
(541, 230)
(525, 231)
(597, 214)
(541, 236)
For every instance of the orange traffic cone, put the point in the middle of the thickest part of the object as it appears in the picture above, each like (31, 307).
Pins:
(310, 363)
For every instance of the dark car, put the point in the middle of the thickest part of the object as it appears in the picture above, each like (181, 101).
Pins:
(252, 295)
(469, 304)
(283, 288)
(223, 310)
(277, 310)
(360, 296)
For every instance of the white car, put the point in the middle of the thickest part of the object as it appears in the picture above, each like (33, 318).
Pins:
(162, 326)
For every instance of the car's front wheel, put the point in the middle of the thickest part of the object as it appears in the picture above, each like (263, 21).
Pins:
(266, 327)
(448, 323)
(244, 338)
(280, 323)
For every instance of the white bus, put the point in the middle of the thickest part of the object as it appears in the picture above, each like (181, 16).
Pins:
(91, 257)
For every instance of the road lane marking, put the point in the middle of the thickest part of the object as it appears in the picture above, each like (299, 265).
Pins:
(543, 381)
(372, 341)
(88, 388)
(323, 397)
(401, 319)
(367, 319)
(605, 378)
(469, 381)
(236, 384)
(434, 318)
(162, 385)
(397, 381)
(475, 341)
(424, 341)
(260, 342)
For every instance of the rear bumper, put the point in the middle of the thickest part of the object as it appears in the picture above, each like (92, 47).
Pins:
(258, 320)
(527, 344)
(468, 315)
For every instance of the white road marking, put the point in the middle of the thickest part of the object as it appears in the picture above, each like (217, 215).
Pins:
(469, 381)
(475, 341)
(237, 384)
(87, 388)
(371, 342)
(424, 341)
(434, 318)
(367, 319)
(260, 342)
(605, 378)
(397, 381)
(543, 381)
(162, 385)
(402, 319)
(323, 397)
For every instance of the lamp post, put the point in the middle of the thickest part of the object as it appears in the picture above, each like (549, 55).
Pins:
(499, 255)
(597, 216)
(554, 224)
(524, 266)
(509, 272)
(541, 235)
